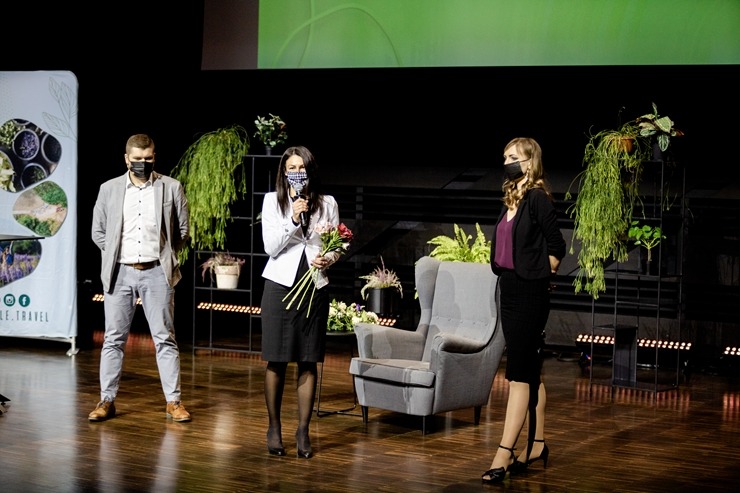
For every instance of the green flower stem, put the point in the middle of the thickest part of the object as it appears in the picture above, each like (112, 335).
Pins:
(300, 287)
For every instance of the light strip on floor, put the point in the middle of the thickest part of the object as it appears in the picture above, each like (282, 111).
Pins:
(253, 310)
(643, 343)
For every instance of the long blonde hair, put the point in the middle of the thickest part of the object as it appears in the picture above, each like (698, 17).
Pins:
(527, 148)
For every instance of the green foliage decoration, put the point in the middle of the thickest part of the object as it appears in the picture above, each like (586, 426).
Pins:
(659, 127)
(608, 190)
(213, 174)
(270, 131)
(646, 236)
(459, 249)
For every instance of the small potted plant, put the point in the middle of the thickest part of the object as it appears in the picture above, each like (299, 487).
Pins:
(270, 131)
(661, 127)
(646, 236)
(226, 267)
(380, 289)
(343, 316)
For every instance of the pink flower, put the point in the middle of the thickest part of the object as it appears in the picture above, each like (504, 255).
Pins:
(333, 239)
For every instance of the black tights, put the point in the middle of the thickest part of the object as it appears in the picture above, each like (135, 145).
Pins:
(306, 389)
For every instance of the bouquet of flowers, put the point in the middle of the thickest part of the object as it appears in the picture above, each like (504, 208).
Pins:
(333, 239)
(343, 317)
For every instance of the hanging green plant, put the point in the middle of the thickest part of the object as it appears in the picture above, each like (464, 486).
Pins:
(212, 172)
(608, 190)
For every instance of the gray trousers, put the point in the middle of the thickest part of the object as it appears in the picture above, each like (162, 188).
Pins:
(158, 301)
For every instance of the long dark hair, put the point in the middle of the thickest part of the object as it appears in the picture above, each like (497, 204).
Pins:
(313, 188)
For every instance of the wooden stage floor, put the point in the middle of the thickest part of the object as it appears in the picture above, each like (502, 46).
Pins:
(684, 440)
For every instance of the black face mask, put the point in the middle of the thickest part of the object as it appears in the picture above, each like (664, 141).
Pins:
(142, 169)
(513, 171)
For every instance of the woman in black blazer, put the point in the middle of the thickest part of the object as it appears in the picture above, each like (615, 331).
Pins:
(526, 250)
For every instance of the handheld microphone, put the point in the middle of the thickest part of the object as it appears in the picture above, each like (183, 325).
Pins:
(298, 187)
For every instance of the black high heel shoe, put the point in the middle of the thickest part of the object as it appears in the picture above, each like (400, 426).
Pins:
(304, 444)
(278, 450)
(519, 467)
(499, 474)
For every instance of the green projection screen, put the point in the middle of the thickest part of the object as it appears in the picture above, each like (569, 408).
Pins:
(278, 34)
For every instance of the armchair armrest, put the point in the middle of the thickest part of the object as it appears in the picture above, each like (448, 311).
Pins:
(381, 342)
(464, 369)
(452, 343)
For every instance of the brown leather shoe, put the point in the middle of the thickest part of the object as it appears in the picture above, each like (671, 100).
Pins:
(104, 410)
(177, 411)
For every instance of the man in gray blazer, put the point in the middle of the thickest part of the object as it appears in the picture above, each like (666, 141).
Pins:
(140, 223)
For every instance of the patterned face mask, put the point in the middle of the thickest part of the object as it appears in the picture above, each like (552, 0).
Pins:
(297, 180)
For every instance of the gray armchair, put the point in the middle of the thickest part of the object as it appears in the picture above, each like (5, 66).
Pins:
(449, 361)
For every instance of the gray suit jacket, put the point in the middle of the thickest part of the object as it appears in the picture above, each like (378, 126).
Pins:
(172, 220)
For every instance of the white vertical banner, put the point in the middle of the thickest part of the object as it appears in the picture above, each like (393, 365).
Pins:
(38, 209)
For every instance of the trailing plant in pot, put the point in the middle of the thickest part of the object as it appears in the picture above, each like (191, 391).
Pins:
(270, 131)
(226, 268)
(212, 172)
(608, 191)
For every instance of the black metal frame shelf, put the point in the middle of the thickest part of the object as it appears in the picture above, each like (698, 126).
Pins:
(238, 306)
(638, 295)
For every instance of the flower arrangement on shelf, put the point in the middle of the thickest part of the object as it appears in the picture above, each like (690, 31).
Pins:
(270, 131)
(381, 278)
(344, 317)
(333, 239)
(221, 259)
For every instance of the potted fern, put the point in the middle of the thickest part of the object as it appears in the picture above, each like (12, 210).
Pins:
(380, 290)
(459, 249)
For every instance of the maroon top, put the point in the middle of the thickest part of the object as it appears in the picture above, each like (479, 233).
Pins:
(504, 245)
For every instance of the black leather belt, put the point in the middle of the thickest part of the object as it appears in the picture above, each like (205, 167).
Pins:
(144, 265)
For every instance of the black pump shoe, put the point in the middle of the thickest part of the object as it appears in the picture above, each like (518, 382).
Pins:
(304, 445)
(519, 467)
(278, 450)
(498, 474)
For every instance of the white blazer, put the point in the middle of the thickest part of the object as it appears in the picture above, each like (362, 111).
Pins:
(285, 243)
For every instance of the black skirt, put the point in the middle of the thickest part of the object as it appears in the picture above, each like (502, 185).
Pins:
(294, 334)
(525, 306)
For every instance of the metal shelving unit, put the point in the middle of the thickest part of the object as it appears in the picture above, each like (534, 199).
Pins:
(645, 356)
(228, 319)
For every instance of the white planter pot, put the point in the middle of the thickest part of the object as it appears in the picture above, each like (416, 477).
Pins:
(227, 276)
